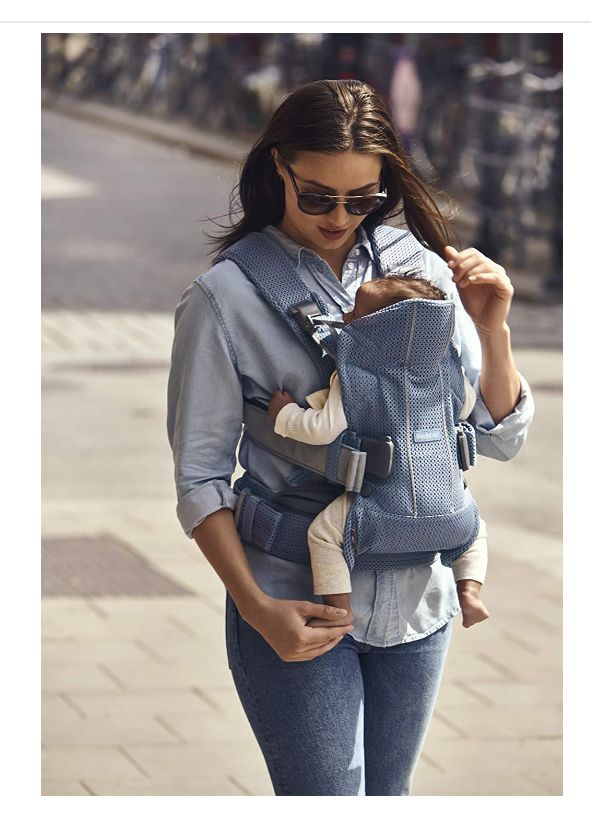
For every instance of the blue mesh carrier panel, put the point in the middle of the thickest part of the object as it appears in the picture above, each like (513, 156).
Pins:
(400, 377)
(397, 251)
(395, 367)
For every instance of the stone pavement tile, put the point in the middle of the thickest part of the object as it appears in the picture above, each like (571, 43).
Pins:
(136, 616)
(444, 727)
(430, 782)
(147, 674)
(510, 759)
(72, 618)
(59, 763)
(184, 760)
(457, 693)
(148, 703)
(474, 669)
(153, 544)
(226, 702)
(509, 720)
(197, 785)
(125, 729)
(210, 726)
(63, 788)
(194, 654)
(543, 550)
(76, 677)
(510, 649)
(55, 705)
(546, 690)
(201, 579)
(249, 770)
(85, 651)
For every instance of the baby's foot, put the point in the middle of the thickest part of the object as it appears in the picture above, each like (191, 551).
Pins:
(473, 608)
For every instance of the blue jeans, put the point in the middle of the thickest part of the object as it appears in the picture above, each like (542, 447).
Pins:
(350, 722)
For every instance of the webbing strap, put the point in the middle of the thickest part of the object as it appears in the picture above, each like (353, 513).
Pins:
(260, 427)
(338, 461)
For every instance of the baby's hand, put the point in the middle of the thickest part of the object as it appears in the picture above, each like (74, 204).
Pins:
(278, 400)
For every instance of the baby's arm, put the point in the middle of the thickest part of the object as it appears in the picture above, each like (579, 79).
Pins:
(315, 426)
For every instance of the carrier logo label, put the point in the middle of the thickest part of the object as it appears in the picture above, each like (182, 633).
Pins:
(427, 435)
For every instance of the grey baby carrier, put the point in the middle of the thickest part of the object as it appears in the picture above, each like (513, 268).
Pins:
(404, 451)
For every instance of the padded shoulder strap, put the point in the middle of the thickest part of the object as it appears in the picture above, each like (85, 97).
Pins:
(398, 251)
(273, 273)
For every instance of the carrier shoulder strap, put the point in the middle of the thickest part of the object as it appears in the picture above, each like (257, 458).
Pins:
(280, 285)
(347, 458)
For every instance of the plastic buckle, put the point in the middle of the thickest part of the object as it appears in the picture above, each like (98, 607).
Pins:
(463, 449)
(355, 470)
(303, 312)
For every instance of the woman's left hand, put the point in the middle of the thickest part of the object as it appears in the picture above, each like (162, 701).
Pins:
(484, 287)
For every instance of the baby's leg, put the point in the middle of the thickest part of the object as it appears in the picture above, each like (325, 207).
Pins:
(473, 608)
(330, 573)
(469, 572)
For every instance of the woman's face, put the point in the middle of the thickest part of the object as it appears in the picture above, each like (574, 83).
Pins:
(337, 174)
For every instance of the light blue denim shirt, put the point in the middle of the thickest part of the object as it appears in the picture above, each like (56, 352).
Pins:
(230, 344)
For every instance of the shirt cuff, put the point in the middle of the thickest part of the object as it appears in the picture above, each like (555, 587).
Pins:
(193, 507)
(502, 440)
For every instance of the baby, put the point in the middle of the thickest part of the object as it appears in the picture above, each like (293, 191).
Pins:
(323, 422)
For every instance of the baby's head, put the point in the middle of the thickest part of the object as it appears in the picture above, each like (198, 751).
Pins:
(383, 292)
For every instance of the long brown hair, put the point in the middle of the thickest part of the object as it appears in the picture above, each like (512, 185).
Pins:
(330, 116)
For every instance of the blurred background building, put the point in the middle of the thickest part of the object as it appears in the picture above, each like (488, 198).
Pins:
(480, 115)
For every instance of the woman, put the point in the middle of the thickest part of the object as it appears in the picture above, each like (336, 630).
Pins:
(341, 709)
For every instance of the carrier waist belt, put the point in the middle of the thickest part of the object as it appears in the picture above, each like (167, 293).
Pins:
(276, 524)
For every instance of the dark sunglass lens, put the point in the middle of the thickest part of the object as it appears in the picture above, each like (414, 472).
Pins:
(363, 206)
(315, 205)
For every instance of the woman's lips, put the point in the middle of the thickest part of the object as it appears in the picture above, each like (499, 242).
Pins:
(332, 235)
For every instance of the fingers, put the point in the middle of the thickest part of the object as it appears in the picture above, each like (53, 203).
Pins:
(463, 276)
(450, 252)
(314, 652)
(309, 609)
(471, 266)
(322, 622)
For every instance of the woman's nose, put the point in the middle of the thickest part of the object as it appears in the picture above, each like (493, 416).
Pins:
(339, 217)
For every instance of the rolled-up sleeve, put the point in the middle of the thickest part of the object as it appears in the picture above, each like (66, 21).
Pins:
(502, 440)
(204, 417)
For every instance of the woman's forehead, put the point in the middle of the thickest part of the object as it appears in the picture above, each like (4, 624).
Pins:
(338, 170)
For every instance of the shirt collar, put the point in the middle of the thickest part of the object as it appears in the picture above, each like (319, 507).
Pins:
(294, 250)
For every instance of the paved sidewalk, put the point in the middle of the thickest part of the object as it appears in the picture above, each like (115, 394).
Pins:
(137, 695)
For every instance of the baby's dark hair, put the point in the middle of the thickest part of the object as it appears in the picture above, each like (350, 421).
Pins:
(393, 288)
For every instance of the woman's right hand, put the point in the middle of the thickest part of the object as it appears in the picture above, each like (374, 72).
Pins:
(283, 625)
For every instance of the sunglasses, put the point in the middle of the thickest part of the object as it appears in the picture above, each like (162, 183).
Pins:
(317, 204)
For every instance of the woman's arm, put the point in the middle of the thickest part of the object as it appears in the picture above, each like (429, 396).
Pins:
(283, 624)
(500, 386)
(204, 425)
(486, 293)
